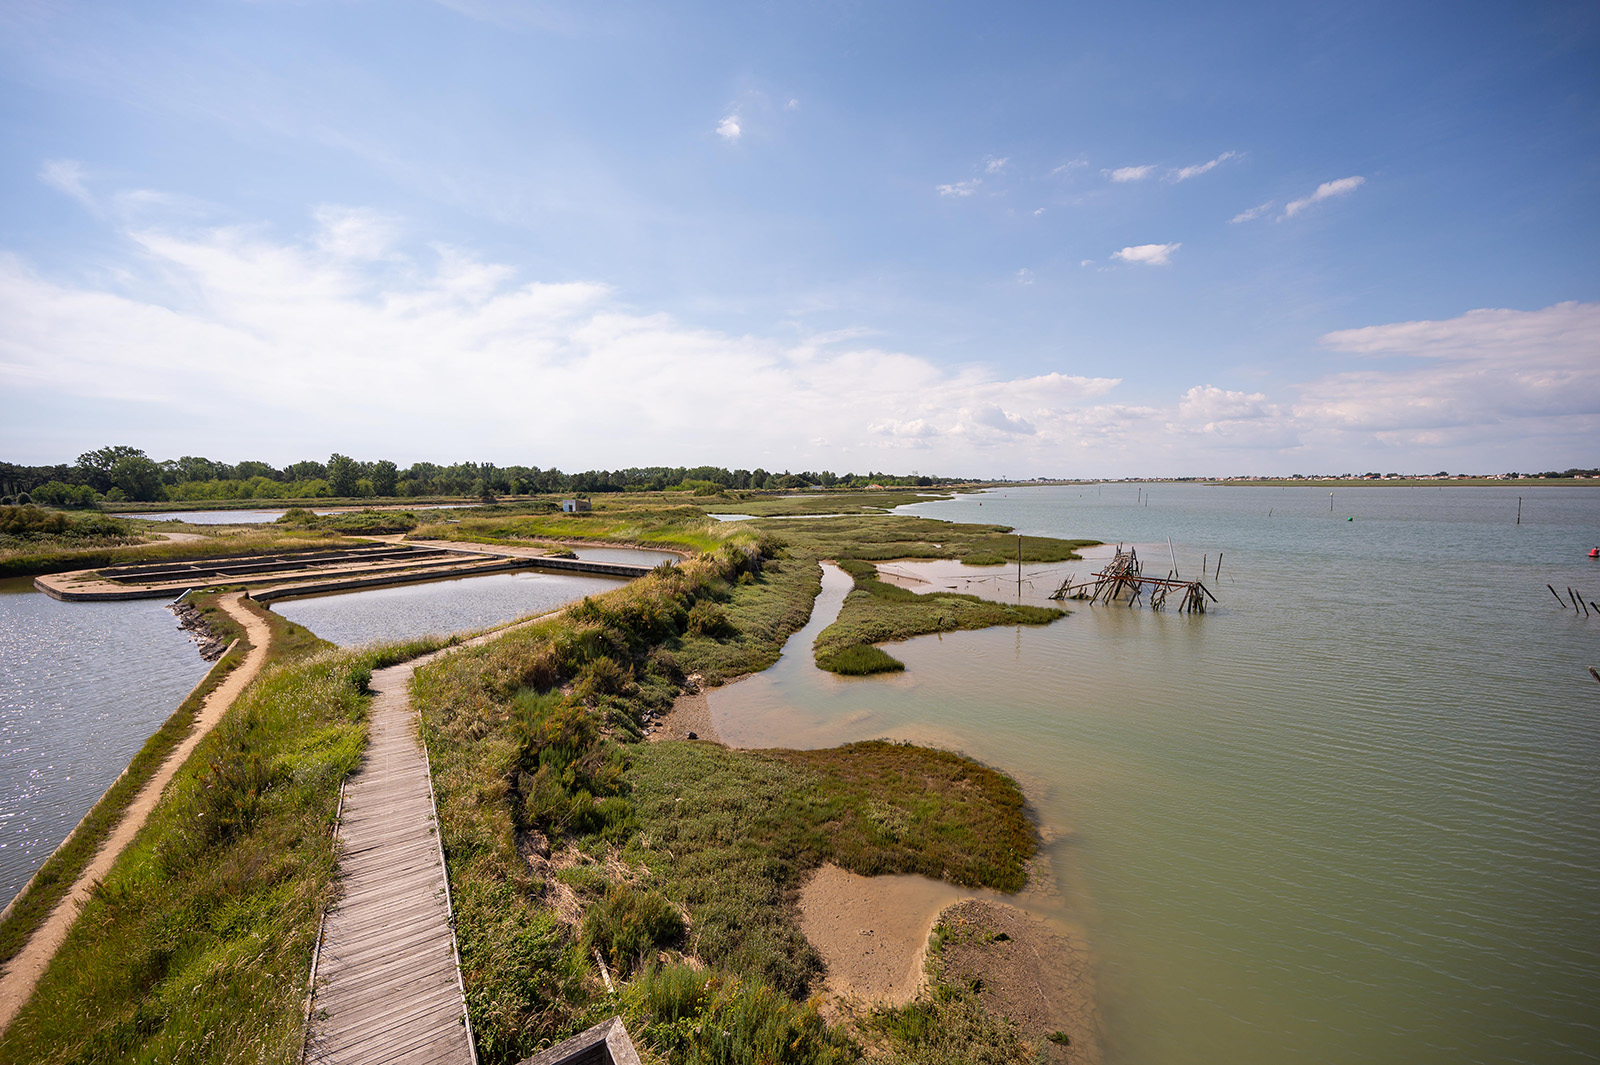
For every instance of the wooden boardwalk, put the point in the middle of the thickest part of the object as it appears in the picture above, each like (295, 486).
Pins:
(387, 986)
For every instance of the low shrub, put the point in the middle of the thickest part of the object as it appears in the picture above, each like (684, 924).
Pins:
(629, 923)
(860, 660)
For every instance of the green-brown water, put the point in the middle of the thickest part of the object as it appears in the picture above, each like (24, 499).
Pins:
(1351, 816)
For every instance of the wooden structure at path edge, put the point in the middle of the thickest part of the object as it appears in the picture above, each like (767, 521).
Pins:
(1126, 574)
(386, 978)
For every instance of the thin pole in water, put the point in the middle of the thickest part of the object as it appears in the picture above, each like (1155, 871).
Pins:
(1330, 502)
(1219, 566)
(1019, 565)
(1174, 557)
(1519, 510)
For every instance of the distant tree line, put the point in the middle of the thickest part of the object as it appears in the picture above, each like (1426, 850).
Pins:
(118, 474)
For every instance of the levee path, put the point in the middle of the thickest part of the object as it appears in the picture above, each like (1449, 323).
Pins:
(23, 973)
(386, 983)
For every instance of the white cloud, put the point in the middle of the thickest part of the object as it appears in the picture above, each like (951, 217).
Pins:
(545, 373)
(1187, 172)
(353, 232)
(960, 188)
(1325, 191)
(1148, 254)
(1251, 214)
(66, 176)
(996, 165)
(729, 129)
(1037, 211)
(1024, 276)
(1069, 166)
(1493, 371)
(792, 105)
(1130, 173)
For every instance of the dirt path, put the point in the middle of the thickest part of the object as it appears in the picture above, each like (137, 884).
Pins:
(23, 973)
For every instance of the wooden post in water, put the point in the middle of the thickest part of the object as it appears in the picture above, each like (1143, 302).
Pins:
(1219, 567)
(1519, 510)
(1019, 566)
(1556, 594)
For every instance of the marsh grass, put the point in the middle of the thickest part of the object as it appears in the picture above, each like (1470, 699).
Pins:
(679, 526)
(875, 611)
(883, 537)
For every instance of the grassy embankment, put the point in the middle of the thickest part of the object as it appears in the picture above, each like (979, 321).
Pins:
(678, 862)
(197, 945)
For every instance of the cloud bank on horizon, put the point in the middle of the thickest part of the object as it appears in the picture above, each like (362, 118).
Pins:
(621, 240)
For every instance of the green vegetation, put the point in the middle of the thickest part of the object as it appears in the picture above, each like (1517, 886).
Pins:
(859, 660)
(529, 742)
(875, 611)
(645, 526)
(884, 537)
(29, 528)
(355, 522)
(196, 946)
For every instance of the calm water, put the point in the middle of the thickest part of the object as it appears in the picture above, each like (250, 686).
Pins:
(438, 608)
(1352, 816)
(82, 686)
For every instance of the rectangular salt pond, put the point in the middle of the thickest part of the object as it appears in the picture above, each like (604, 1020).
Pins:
(438, 608)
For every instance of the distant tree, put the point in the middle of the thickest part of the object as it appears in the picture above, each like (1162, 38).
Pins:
(138, 477)
(342, 474)
(56, 494)
(305, 471)
(96, 465)
(246, 470)
(385, 475)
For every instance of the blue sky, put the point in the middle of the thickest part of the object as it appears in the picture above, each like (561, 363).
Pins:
(1000, 239)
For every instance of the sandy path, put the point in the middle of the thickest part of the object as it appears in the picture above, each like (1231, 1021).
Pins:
(23, 973)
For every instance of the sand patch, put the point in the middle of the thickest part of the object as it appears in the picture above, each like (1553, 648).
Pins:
(690, 714)
(873, 931)
(1026, 969)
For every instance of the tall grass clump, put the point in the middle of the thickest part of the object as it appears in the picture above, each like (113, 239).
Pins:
(197, 945)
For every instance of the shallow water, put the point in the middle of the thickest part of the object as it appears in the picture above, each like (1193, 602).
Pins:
(82, 686)
(1348, 816)
(438, 608)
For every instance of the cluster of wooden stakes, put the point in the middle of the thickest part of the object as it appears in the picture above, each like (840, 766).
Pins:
(1126, 574)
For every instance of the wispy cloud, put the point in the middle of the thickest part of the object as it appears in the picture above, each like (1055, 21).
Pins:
(1325, 191)
(1252, 213)
(960, 188)
(995, 165)
(1130, 173)
(1024, 276)
(1493, 370)
(792, 105)
(1187, 172)
(1147, 254)
(1069, 166)
(66, 176)
(729, 129)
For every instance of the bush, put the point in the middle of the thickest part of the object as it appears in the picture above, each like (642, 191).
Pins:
(630, 922)
(860, 660)
(708, 619)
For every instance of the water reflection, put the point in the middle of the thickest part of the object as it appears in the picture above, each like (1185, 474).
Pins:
(438, 608)
(82, 686)
(1349, 817)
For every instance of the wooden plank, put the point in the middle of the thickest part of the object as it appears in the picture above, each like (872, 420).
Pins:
(387, 986)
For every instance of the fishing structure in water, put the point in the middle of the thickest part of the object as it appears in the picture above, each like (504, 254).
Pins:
(1126, 574)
